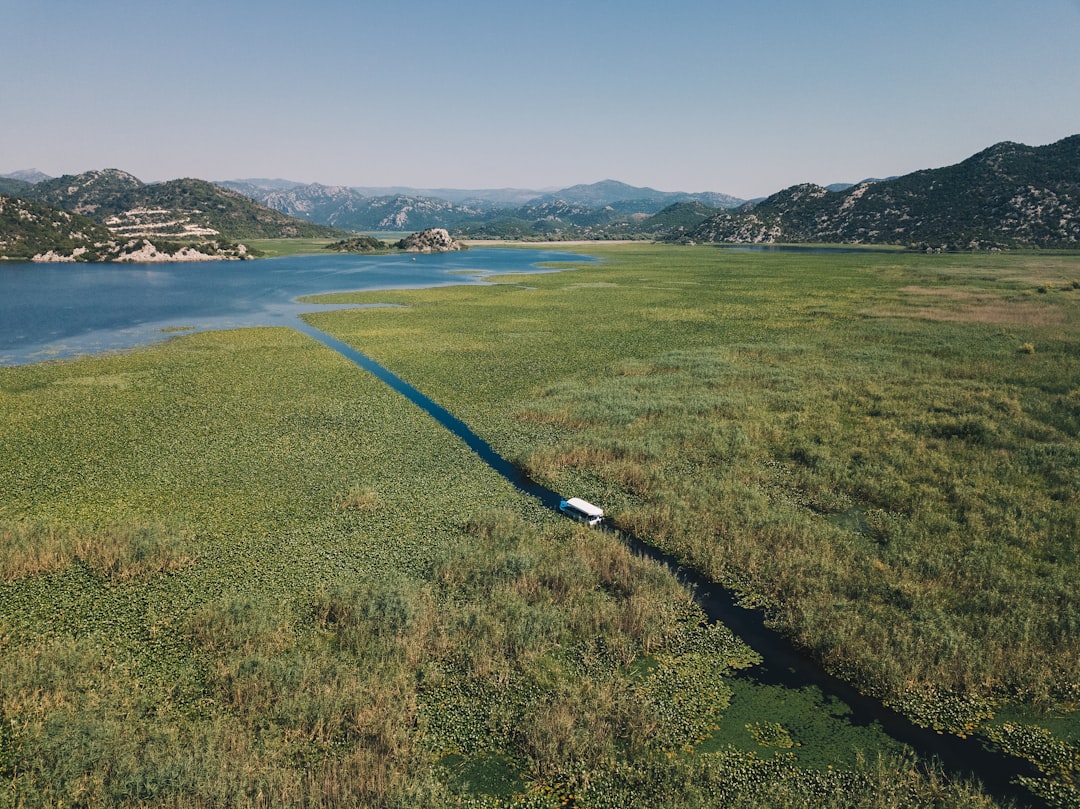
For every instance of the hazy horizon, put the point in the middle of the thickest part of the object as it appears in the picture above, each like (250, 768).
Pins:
(693, 96)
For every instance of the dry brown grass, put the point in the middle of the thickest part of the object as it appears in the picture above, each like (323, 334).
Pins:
(563, 419)
(630, 471)
(360, 498)
(950, 292)
(973, 306)
(119, 552)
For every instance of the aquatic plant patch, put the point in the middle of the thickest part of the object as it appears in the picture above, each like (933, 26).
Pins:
(352, 598)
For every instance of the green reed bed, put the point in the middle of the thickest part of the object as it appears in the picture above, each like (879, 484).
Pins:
(881, 448)
(184, 664)
(238, 571)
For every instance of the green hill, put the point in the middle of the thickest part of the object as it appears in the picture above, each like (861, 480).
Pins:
(14, 187)
(678, 218)
(358, 244)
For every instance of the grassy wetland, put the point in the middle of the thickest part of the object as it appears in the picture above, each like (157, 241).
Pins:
(239, 571)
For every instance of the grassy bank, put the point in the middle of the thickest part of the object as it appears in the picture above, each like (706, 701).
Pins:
(239, 571)
(276, 248)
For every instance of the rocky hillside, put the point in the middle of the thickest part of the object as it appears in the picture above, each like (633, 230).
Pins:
(33, 232)
(93, 193)
(28, 229)
(405, 212)
(176, 209)
(1007, 196)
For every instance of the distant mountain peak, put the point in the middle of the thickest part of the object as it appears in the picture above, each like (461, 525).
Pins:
(32, 176)
(629, 199)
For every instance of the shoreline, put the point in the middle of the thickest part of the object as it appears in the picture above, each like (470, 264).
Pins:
(568, 243)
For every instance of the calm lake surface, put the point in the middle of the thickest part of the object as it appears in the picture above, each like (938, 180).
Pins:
(51, 311)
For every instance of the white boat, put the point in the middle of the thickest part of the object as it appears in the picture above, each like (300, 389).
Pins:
(582, 511)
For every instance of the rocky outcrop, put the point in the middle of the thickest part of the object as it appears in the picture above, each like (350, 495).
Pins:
(143, 251)
(432, 240)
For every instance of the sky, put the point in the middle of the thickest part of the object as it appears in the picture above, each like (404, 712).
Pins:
(743, 98)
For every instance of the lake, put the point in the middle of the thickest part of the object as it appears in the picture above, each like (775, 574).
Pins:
(55, 311)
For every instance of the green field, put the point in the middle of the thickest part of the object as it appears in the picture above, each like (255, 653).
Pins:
(238, 571)
(275, 248)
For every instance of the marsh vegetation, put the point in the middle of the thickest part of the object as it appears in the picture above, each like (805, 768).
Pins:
(239, 571)
(881, 449)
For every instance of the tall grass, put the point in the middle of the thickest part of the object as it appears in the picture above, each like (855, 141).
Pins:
(117, 551)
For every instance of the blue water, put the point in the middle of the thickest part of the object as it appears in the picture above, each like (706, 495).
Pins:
(50, 311)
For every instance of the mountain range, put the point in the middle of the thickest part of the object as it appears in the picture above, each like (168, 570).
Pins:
(502, 212)
(1007, 196)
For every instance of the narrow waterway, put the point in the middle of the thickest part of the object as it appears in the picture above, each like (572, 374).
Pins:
(784, 665)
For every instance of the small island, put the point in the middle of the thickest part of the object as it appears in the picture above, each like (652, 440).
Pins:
(432, 240)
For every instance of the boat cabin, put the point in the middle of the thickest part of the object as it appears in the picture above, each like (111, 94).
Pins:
(582, 510)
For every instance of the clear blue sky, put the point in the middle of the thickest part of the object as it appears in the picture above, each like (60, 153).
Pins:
(738, 97)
